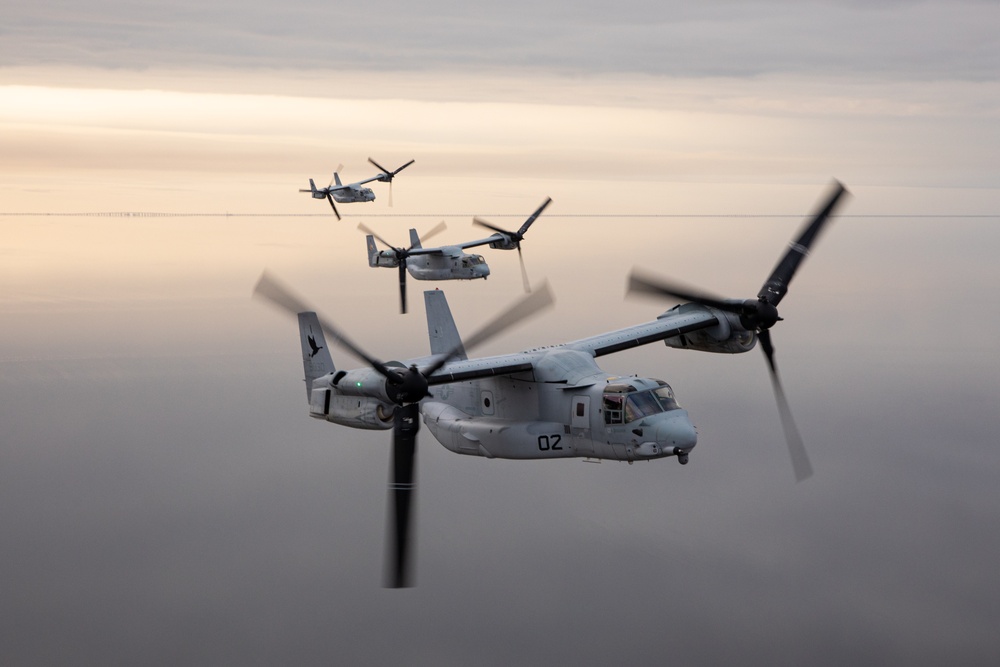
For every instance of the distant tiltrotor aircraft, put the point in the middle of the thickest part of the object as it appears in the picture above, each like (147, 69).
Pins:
(348, 193)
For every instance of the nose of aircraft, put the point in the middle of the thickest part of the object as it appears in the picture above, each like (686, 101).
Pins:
(677, 431)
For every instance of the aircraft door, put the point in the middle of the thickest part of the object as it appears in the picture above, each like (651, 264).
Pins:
(579, 423)
(579, 419)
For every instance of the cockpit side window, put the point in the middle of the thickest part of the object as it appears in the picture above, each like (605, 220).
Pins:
(613, 412)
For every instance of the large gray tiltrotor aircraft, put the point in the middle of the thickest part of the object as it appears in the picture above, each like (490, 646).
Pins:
(544, 403)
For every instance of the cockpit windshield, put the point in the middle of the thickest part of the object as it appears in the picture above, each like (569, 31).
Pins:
(626, 403)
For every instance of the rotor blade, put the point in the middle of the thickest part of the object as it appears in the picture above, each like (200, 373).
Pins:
(524, 271)
(796, 447)
(520, 310)
(492, 227)
(533, 217)
(381, 168)
(776, 286)
(271, 289)
(402, 286)
(403, 167)
(646, 284)
(363, 227)
(437, 229)
(333, 206)
(390, 194)
(401, 492)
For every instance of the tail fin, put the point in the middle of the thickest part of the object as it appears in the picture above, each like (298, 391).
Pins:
(414, 239)
(372, 251)
(441, 325)
(316, 358)
(312, 186)
(336, 178)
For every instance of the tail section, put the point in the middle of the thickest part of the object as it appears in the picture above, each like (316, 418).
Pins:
(372, 251)
(336, 179)
(414, 239)
(312, 188)
(441, 325)
(316, 359)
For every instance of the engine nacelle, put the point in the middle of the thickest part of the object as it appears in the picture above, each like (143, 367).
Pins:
(504, 243)
(726, 337)
(383, 258)
(365, 382)
(386, 259)
(354, 411)
(353, 398)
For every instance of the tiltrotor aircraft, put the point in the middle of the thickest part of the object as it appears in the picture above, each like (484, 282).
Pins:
(552, 402)
(353, 192)
(449, 262)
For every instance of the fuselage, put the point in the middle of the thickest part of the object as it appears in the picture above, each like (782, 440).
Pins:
(352, 194)
(565, 406)
(455, 265)
(449, 264)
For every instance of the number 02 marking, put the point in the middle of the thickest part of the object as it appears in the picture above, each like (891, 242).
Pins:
(547, 442)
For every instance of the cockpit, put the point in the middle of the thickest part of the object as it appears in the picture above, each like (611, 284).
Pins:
(473, 260)
(631, 400)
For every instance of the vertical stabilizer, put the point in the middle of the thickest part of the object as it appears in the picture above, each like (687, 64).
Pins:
(441, 325)
(336, 179)
(372, 251)
(316, 359)
(414, 239)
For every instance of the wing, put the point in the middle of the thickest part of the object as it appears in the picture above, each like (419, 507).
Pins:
(472, 244)
(428, 251)
(367, 180)
(672, 323)
(454, 249)
(473, 369)
(668, 325)
(446, 250)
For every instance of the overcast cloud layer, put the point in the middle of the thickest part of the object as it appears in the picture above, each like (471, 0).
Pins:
(900, 40)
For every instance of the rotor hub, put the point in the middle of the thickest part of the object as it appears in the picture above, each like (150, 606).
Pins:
(410, 387)
(758, 314)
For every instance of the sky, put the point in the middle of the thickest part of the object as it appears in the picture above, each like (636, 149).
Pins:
(164, 496)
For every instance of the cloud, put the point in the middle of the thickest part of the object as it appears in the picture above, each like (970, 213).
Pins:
(917, 41)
